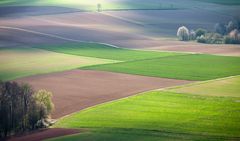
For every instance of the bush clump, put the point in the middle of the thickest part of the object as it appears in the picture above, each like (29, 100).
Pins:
(210, 38)
(232, 38)
(201, 39)
(228, 34)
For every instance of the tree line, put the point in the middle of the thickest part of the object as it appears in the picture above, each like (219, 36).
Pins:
(22, 109)
(222, 34)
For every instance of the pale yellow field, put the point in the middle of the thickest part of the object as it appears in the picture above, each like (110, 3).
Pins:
(222, 87)
(24, 61)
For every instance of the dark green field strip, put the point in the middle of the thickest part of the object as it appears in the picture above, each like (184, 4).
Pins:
(187, 67)
(116, 134)
(105, 51)
(164, 114)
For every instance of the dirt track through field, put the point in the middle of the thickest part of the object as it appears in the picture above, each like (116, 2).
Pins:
(44, 134)
(79, 89)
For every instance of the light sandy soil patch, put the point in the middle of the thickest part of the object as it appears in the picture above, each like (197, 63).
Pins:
(78, 89)
(227, 87)
(223, 49)
(25, 61)
(44, 134)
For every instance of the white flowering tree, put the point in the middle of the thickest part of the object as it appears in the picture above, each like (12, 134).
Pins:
(183, 33)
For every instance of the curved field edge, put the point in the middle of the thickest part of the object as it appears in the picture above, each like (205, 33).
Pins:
(161, 111)
(25, 61)
(185, 67)
(103, 51)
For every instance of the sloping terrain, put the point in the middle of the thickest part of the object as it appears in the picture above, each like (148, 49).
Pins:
(226, 87)
(158, 115)
(19, 62)
(77, 89)
(187, 67)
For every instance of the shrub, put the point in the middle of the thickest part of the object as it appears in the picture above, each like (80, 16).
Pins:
(234, 34)
(192, 35)
(201, 39)
(231, 26)
(210, 38)
(214, 38)
(232, 38)
(220, 28)
(200, 32)
(43, 99)
(183, 33)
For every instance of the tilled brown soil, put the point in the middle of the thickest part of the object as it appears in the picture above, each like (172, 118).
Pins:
(79, 89)
(44, 134)
(87, 26)
(225, 50)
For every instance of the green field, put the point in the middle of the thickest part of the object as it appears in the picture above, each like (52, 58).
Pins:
(24, 61)
(188, 67)
(223, 2)
(106, 52)
(159, 115)
(223, 87)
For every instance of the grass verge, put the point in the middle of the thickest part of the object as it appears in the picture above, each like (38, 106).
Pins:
(187, 67)
(226, 87)
(105, 51)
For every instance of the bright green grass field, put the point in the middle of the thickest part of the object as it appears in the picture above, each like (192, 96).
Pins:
(188, 67)
(223, 2)
(223, 87)
(158, 115)
(105, 51)
(25, 61)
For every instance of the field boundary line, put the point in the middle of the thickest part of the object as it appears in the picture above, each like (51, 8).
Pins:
(198, 83)
(115, 100)
(123, 19)
(82, 41)
(101, 43)
(55, 36)
(137, 60)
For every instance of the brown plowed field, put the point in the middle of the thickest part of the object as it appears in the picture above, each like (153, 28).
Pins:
(112, 28)
(79, 89)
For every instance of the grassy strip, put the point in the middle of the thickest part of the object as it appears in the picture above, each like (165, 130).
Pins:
(188, 67)
(105, 51)
(223, 2)
(229, 87)
(23, 61)
(157, 115)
